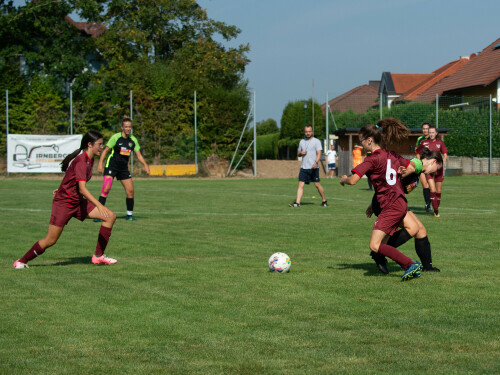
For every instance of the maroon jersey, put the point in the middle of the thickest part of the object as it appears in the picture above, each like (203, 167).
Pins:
(435, 145)
(381, 167)
(80, 169)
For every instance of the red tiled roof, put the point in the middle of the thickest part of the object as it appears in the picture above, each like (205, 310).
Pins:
(481, 70)
(435, 77)
(403, 82)
(359, 99)
(94, 29)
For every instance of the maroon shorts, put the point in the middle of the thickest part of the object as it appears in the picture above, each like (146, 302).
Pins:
(438, 176)
(391, 217)
(61, 213)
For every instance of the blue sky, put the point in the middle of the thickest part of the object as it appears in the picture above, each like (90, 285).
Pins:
(342, 44)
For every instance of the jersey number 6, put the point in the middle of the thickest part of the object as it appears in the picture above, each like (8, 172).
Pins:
(390, 174)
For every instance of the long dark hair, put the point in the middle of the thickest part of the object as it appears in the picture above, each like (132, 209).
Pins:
(428, 154)
(387, 131)
(91, 136)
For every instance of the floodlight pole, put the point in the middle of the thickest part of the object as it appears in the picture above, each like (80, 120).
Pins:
(491, 140)
(71, 112)
(131, 132)
(7, 126)
(195, 138)
(254, 135)
(437, 111)
(327, 132)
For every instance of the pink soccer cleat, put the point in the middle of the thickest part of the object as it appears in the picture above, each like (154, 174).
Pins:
(103, 260)
(18, 265)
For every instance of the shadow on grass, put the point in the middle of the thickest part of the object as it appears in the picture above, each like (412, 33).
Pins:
(419, 210)
(369, 268)
(74, 260)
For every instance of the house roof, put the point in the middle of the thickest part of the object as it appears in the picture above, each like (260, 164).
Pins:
(94, 29)
(482, 70)
(359, 99)
(435, 77)
(400, 83)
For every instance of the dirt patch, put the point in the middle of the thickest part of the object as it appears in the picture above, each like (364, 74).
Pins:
(277, 169)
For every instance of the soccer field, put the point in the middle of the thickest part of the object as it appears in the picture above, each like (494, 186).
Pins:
(191, 292)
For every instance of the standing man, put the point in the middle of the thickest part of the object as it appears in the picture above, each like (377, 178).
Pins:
(423, 179)
(332, 158)
(310, 149)
(436, 181)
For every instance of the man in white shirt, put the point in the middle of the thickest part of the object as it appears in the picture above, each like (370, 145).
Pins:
(310, 149)
(331, 157)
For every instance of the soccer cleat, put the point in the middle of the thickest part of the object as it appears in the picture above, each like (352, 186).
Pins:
(430, 269)
(436, 214)
(97, 220)
(412, 271)
(18, 265)
(294, 204)
(324, 204)
(130, 218)
(103, 259)
(380, 261)
(428, 208)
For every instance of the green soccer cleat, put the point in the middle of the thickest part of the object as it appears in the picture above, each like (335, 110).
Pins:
(412, 271)
(130, 218)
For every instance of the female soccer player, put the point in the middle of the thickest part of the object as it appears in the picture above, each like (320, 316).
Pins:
(121, 146)
(425, 185)
(430, 162)
(73, 199)
(381, 167)
(435, 181)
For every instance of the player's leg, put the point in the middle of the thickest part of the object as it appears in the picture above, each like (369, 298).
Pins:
(104, 234)
(107, 181)
(40, 246)
(300, 192)
(426, 192)
(128, 185)
(321, 192)
(439, 185)
(423, 247)
(434, 201)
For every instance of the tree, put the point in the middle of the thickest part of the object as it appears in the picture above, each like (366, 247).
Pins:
(268, 126)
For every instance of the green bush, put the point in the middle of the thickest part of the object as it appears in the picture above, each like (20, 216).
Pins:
(267, 146)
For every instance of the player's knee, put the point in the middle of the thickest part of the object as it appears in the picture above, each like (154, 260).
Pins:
(50, 241)
(374, 246)
(422, 232)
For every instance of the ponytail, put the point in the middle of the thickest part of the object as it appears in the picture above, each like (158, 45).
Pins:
(90, 137)
(387, 131)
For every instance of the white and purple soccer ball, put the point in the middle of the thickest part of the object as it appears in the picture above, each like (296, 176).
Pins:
(279, 262)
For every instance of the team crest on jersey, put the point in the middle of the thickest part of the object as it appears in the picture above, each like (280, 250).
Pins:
(130, 144)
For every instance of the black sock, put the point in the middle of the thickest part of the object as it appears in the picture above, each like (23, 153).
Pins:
(423, 249)
(399, 238)
(427, 196)
(102, 200)
(130, 204)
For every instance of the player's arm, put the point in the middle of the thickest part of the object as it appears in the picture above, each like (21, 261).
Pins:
(318, 157)
(445, 157)
(141, 159)
(82, 187)
(353, 180)
(408, 170)
(100, 166)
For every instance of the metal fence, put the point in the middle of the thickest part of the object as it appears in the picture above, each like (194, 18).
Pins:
(472, 123)
(161, 143)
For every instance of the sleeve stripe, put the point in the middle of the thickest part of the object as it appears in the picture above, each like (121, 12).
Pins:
(355, 171)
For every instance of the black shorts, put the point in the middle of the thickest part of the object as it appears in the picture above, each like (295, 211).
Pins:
(309, 175)
(120, 174)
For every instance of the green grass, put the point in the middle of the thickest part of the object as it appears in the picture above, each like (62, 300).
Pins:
(191, 293)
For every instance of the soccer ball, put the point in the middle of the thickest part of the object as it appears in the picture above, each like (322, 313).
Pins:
(279, 262)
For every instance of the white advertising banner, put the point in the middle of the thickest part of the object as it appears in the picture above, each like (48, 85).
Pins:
(39, 153)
